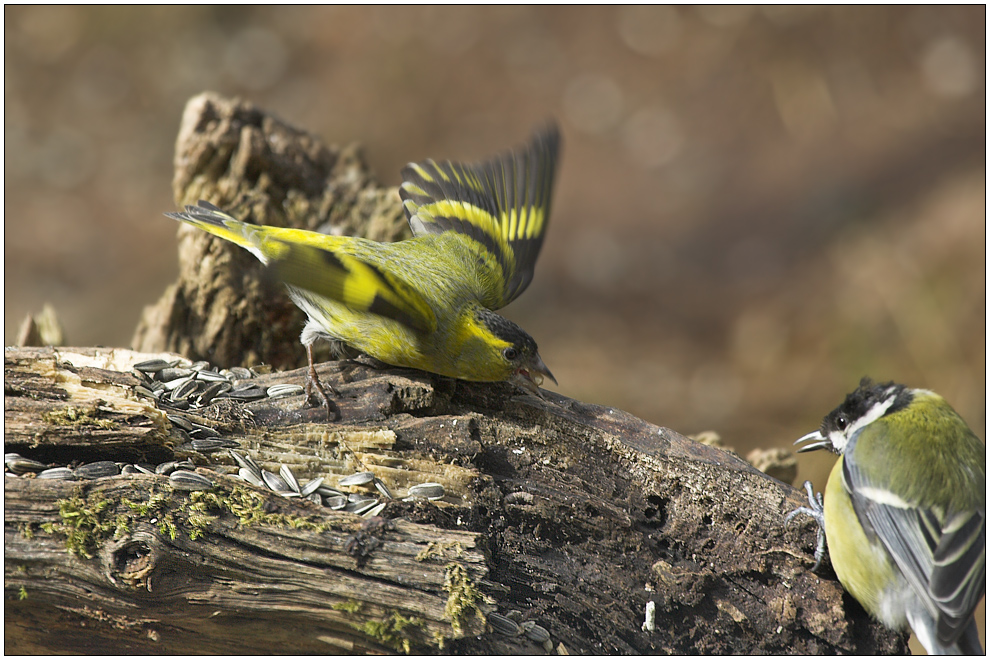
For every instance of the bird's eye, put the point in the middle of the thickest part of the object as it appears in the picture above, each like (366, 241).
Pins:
(510, 353)
(842, 423)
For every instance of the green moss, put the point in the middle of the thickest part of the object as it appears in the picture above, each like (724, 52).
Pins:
(249, 508)
(394, 631)
(351, 606)
(87, 522)
(26, 530)
(84, 524)
(72, 416)
(22, 594)
(463, 597)
(439, 550)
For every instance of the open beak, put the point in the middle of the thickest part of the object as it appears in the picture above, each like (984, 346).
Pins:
(530, 377)
(816, 440)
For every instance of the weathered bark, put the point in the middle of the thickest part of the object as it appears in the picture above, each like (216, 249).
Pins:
(573, 514)
(223, 308)
(567, 514)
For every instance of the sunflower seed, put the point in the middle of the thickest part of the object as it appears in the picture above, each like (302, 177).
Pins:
(315, 498)
(154, 366)
(172, 374)
(209, 393)
(128, 470)
(274, 481)
(429, 490)
(357, 498)
(185, 390)
(287, 493)
(284, 389)
(213, 444)
(200, 431)
(20, 465)
(211, 376)
(97, 470)
(336, 502)
(382, 488)
(56, 473)
(171, 466)
(374, 511)
(141, 390)
(361, 508)
(186, 480)
(180, 421)
(247, 393)
(240, 373)
(327, 491)
(286, 473)
(310, 488)
(534, 631)
(199, 366)
(502, 625)
(245, 461)
(144, 469)
(357, 479)
(249, 475)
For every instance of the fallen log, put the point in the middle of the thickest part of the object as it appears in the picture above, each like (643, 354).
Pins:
(468, 517)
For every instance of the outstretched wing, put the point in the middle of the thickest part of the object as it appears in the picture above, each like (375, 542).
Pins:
(502, 204)
(316, 262)
(942, 554)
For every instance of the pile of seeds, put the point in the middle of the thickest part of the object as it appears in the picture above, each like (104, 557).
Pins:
(180, 385)
(184, 385)
(180, 474)
(285, 484)
(182, 477)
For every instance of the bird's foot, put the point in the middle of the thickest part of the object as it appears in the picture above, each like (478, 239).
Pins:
(817, 511)
(313, 380)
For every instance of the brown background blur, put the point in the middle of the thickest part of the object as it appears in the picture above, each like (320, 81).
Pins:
(754, 206)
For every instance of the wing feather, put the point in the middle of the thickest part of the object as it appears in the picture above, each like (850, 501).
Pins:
(502, 204)
(943, 558)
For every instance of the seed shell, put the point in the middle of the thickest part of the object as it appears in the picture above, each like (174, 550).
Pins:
(249, 475)
(286, 473)
(284, 389)
(429, 490)
(503, 625)
(383, 489)
(97, 470)
(186, 480)
(357, 479)
(534, 631)
(274, 481)
(311, 488)
(57, 473)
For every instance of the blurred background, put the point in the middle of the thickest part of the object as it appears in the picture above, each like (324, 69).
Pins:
(754, 208)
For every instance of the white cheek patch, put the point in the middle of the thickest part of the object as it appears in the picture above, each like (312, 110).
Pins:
(840, 439)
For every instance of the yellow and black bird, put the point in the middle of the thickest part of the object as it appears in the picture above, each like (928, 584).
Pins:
(426, 302)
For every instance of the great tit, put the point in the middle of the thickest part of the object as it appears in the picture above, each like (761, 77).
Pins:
(904, 512)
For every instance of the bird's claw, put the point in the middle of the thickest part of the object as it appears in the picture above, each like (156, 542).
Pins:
(817, 511)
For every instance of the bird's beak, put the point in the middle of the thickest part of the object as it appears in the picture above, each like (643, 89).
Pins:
(531, 376)
(817, 440)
